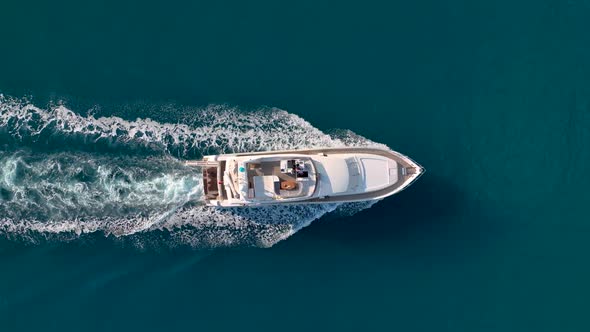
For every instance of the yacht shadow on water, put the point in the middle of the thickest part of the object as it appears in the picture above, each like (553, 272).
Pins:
(433, 212)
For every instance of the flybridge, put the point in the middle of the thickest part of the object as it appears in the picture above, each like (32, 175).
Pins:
(305, 176)
(254, 179)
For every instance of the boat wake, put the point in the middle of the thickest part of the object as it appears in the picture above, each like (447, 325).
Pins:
(66, 176)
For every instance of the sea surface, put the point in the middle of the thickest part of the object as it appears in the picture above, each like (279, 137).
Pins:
(102, 227)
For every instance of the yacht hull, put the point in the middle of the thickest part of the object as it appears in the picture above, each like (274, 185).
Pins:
(375, 174)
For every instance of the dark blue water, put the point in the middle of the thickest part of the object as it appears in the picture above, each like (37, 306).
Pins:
(101, 227)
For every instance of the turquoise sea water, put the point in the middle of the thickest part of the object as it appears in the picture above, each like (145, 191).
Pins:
(101, 102)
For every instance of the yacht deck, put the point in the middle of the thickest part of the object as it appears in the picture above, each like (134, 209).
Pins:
(288, 185)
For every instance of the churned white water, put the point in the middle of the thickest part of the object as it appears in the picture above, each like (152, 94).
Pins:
(64, 175)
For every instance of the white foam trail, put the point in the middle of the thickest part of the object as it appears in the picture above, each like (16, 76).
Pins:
(216, 127)
(127, 199)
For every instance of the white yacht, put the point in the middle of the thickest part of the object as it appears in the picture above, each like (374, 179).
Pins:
(305, 176)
